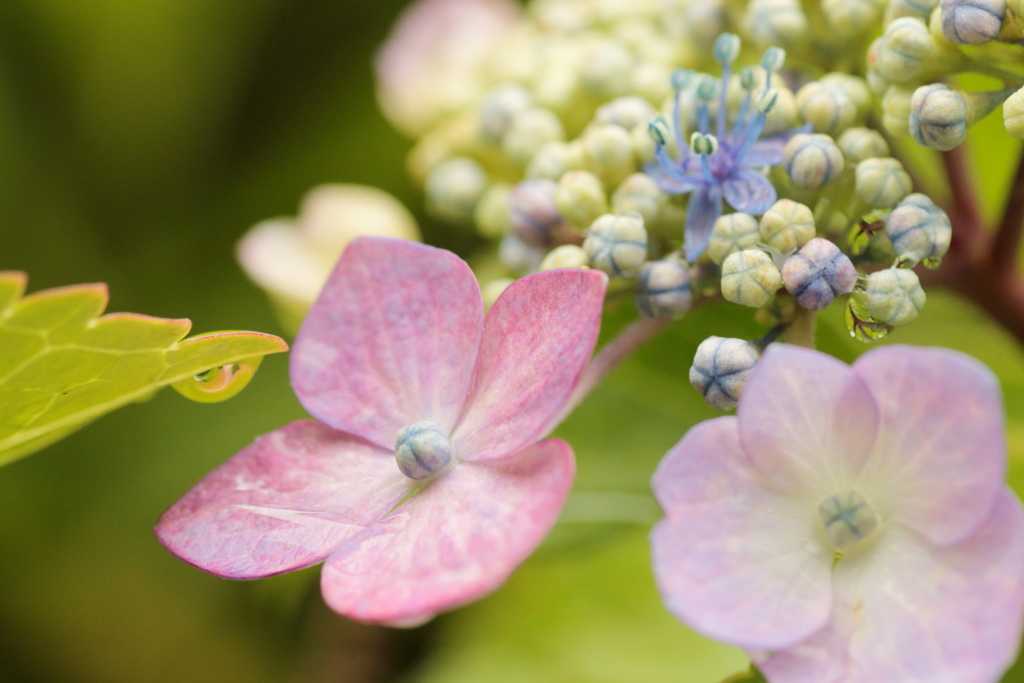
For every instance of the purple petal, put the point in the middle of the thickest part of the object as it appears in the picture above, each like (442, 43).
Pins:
(285, 502)
(941, 456)
(768, 152)
(910, 612)
(392, 340)
(673, 182)
(807, 420)
(453, 542)
(705, 206)
(749, 191)
(538, 338)
(736, 559)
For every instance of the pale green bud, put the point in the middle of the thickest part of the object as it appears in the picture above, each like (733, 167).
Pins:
(626, 112)
(550, 161)
(639, 194)
(608, 152)
(518, 256)
(896, 109)
(750, 278)
(565, 256)
(529, 130)
(498, 109)
(849, 18)
(938, 117)
(453, 188)
(607, 70)
(826, 106)
(580, 198)
(783, 115)
(775, 22)
(664, 288)
(854, 86)
(904, 49)
(858, 144)
(1013, 114)
(894, 296)
(918, 229)
(922, 9)
(732, 233)
(651, 81)
(812, 161)
(492, 211)
(617, 245)
(787, 226)
(882, 183)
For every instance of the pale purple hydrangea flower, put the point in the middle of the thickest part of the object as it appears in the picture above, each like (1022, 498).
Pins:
(850, 524)
(732, 172)
(397, 348)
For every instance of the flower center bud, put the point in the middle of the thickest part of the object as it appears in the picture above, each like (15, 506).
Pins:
(422, 449)
(847, 518)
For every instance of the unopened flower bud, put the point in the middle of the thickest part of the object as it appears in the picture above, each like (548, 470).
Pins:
(922, 9)
(812, 160)
(774, 59)
(493, 290)
(664, 288)
(750, 278)
(721, 369)
(626, 112)
(775, 22)
(639, 193)
(894, 296)
(896, 109)
(550, 161)
(818, 273)
(858, 144)
(727, 48)
(453, 188)
(565, 256)
(1013, 114)
(972, 22)
(528, 130)
(498, 109)
(617, 245)
(518, 256)
(851, 18)
(904, 48)
(652, 81)
(607, 70)
(731, 233)
(826, 106)
(783, 115)
(918, 229)
(579, 197)
(847, 519)
(701, 143)
(882, 183)
(608, 152)
(855, 87)
(422, 449)
(492, 211)
(787, 226)
(938, 117)
(533, 216)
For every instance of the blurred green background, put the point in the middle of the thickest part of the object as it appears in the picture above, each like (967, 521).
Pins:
(138, 141)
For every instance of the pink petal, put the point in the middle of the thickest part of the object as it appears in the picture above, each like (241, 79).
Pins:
(941, 456)
(807, 420)
(538, 338)
(456, 540)
(736, 559)
(285, 502)
(392, 340)
(912, 612)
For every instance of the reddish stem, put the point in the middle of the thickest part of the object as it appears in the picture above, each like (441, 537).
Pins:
(1006, 244)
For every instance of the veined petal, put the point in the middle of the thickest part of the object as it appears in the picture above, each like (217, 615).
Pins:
(673, 183)
(392, 340)
(704, 208)
(912, 612)
(453, 542)
(736, 559)
(941, 454)
(749, 191)
(285, 502)
(807, 421)
(538, 338)
(768, 152)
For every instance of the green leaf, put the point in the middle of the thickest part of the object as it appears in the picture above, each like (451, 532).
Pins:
(62, 365)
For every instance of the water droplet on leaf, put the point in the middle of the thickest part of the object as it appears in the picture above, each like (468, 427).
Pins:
(219, 384)
(932, 262)
(861, 325)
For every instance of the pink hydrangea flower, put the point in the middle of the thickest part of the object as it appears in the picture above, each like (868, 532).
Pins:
(850, 524)
(398, 339)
